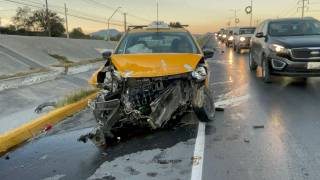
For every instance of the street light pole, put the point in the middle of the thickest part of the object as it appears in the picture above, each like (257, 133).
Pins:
(108, 22)
(125, 21)
(251, 14)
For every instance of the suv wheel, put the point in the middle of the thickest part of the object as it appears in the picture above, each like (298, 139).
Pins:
(266, 70)
(252, 64)
(238, 50)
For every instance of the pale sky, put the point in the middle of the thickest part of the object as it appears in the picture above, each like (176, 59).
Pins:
(201, 15)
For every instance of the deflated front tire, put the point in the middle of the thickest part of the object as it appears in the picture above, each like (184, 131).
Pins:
(203, 104)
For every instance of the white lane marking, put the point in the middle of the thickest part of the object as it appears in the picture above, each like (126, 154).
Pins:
(198, 155)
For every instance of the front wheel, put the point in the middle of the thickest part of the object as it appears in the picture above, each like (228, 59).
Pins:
(252, 64)
(266, 70)
(203, 104)
(238, 50)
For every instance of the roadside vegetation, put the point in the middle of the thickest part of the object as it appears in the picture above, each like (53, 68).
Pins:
(24, 73)
(202, 39)
(65, 62)
(75, 97)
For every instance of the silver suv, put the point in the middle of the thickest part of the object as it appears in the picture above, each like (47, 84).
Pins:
(242, 37)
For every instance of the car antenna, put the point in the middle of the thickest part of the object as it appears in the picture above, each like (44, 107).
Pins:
(157, 15)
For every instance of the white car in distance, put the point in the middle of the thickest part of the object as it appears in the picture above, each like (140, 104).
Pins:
(242, 37)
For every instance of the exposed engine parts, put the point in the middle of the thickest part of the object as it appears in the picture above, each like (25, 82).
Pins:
(146, 102)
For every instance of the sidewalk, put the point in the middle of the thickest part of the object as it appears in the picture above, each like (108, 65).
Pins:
(17, 105)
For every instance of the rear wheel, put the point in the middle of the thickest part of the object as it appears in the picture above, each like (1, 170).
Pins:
(252, 64)
(266, 70)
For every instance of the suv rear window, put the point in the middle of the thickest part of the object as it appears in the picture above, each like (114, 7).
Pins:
(294, 28)
(246, 31)
(157, 42)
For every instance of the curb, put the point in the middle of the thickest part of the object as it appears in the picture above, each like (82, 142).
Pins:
(17, 136)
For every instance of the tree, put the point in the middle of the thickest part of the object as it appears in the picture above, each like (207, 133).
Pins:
(116, 38)
(39, 22)
(22, 18)
(77, 33)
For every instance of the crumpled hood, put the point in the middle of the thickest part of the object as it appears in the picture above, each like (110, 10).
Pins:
(154, 65)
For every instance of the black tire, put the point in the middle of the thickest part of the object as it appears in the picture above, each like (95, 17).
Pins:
(252, 64)
(265, 70)
(203, 105)
(238, 50)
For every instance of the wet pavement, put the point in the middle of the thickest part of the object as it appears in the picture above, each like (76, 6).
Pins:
(267, 131)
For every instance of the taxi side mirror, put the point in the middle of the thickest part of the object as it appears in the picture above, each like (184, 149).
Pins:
(208, 53)
(106, 55)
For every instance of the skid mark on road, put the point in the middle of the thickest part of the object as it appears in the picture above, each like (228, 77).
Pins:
(198, 155)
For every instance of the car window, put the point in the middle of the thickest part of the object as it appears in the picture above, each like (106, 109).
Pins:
(157, 42)
(247, 31)
(294, 28)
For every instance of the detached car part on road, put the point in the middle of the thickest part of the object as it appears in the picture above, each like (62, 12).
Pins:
(155, 73)
(287, 47)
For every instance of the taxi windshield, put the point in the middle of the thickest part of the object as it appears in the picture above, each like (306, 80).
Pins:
(157, 42)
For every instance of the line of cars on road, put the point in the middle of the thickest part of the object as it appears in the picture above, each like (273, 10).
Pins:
(281, 47)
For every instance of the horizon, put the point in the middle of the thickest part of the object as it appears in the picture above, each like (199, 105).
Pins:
(207, 17)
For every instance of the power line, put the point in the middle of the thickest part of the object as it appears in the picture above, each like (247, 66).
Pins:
(99, 4)
(303, 6)
(62, 13)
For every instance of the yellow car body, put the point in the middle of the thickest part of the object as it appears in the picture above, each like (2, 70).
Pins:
(153, 64)
(152, 76)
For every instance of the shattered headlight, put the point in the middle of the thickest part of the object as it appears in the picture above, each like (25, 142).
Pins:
(117, 75)
(200, 74)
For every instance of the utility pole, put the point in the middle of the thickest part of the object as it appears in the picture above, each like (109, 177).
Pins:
(48, 19)
(66, 16)
(125, 22)
(303, 7)
(108, 22)
(251, 14)
(236, 19)
(157, 11)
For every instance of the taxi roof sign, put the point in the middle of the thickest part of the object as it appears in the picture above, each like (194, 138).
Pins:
(158, 25)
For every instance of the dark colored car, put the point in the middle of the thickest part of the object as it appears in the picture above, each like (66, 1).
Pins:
(288, 47)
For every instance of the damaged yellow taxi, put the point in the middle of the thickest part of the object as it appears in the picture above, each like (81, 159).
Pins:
(156, 73)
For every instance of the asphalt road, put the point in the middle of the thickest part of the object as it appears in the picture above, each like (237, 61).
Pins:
(287, 147)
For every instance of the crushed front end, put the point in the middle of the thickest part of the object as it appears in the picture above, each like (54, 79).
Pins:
(147, 102)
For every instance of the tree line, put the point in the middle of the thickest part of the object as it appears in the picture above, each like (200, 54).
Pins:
(37, 23)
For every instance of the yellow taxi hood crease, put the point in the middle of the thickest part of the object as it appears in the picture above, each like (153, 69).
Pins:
(154, 65)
